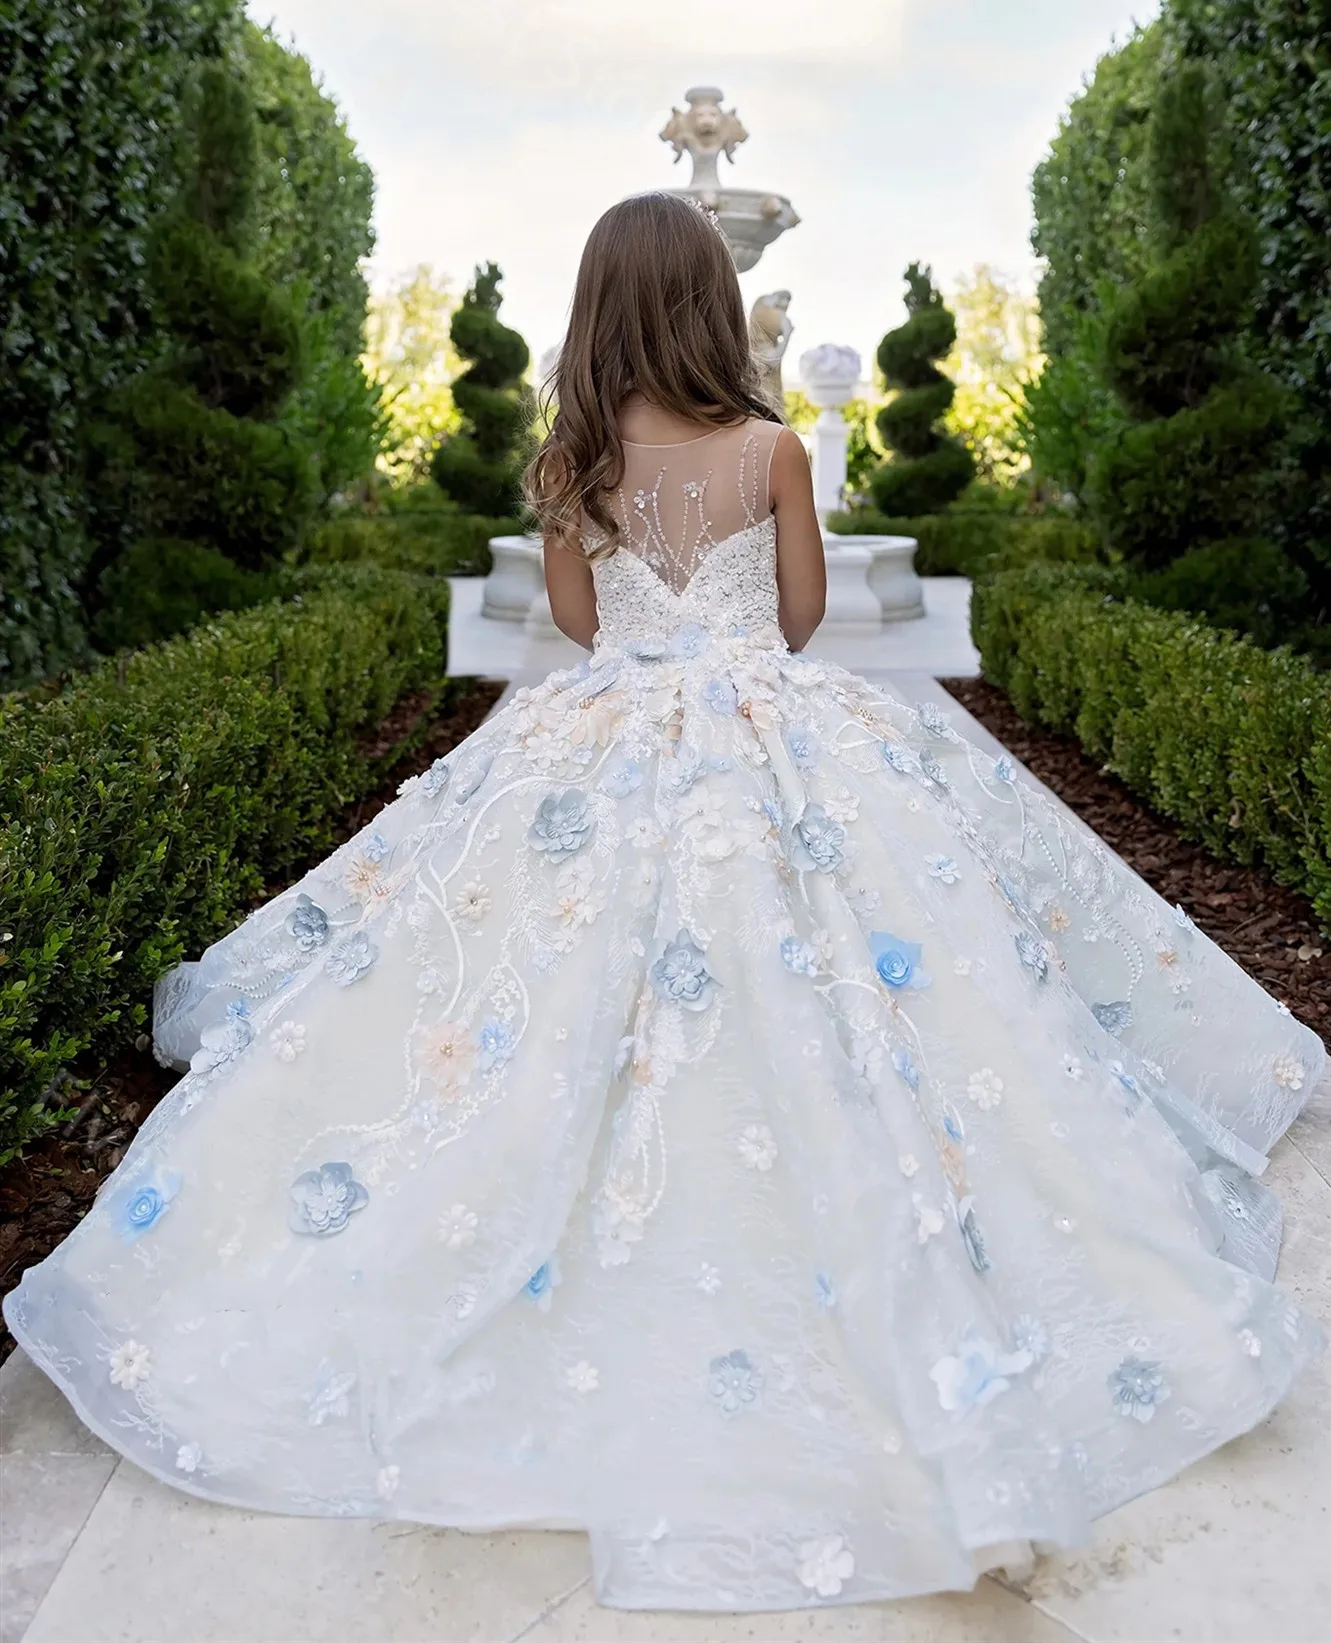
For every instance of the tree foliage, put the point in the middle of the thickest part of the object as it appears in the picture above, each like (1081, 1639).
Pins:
(410, 355)
(995, 355)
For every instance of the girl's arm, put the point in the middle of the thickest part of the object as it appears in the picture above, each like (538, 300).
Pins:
(801, 570)
(568, 580)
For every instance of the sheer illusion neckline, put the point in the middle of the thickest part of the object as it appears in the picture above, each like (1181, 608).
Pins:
(673, 444)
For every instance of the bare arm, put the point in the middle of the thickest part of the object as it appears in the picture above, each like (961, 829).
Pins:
(801, 571)
(568, 580)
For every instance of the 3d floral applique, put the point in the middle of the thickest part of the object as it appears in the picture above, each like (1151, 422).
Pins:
(188, 1456)
(735, 1383)
(1288, 1073)
(308, 924)
(540, 1287)
(473, 902)
(757, 1147)
(1138, 1388)
(681, 976)
(818, 843)
(138, 1208)
(353, 957)
(563, 825)
(287, 1041)
(977, 1373)
(943, 868)
(457, 1227)
(896, 961)
(709, 1279)
(825, 1565)
(495, 1044)
(446, 1053)
(323, 1200)
(584, 1378)
(130, 1365)
(985, 1089)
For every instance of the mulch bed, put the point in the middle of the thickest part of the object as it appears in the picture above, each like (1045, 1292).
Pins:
(44, 1194)
(1271, 931)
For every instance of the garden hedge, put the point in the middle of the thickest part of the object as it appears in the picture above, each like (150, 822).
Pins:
(147, 807)
(431, 541)
(1230, 741)
(969, 542)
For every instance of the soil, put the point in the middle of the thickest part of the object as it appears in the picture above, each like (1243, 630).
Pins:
(1271, 931)
(45, 1193)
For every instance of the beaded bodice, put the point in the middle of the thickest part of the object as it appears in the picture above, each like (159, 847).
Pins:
(697, 545)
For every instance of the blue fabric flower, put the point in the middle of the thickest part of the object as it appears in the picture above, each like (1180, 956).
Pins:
(802, 745)
(323, 1200)
(332, 1393)
(142, 1205)
(953, 1127)
(376, 847)
(898, 758)
(540, 1287)
(688, 641)
(353, 957)
(735, 1383)
(436, 778)
(824, 1291)
(721, 696)
(308, 924)
(1138, 1387)
(1004, 769)
(221, 1044)
(896, 961)
(943, 868)
(818, 843)
(563, 824)
(681, 974)
(495, 1045)
(936, 722)
(1113, 1017)
(799, 957)
(646, 650)
(1033, 953)
(932, 769)
(622, 779)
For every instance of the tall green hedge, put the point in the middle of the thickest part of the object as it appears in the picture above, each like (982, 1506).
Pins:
(1231, 741)
(148, 805)
(90, 96)
(974, 542)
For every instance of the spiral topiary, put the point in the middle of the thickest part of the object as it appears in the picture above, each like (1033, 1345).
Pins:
(210, 485)
(928, 469)
(1196, 468)
(480, 467)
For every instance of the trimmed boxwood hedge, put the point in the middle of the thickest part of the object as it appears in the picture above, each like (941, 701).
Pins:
(1230, 741)
(967, 542)
(431, 541)
(147, 806)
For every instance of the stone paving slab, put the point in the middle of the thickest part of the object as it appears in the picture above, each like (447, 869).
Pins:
(1234, 1551)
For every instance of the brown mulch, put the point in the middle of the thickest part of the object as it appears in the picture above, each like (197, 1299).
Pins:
(1271, 931)
(44, 1194)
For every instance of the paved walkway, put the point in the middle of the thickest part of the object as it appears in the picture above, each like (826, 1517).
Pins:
(1235, 1551)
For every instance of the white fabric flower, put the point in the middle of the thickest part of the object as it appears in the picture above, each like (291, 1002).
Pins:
(985, 1088)
(643, 833)
(1250, 1342)
(1072, 1067)
(709, 1279)
(131, 1365)
(385, 1485)
(287, 1040)
(584, 1377)
(908, 1164)
(1288, 1072)
(188, 1457)
(962, 966)
(458, 1226)
(928, 1220)
(825, 1565)
(473, 902)
(757, 1147)
(446, 1052)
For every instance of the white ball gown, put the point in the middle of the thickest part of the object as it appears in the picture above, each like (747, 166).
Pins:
(717, 1108)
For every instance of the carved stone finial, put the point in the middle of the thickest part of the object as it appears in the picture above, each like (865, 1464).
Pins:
(704, 131)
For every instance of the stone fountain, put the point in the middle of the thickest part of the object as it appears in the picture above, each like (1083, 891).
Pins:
(750, 218)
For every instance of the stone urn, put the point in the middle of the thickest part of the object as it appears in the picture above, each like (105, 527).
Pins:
(830, 374)
(892, 576)
(516, 580)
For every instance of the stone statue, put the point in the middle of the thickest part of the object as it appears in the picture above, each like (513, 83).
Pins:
(769, 336)
(703, 132)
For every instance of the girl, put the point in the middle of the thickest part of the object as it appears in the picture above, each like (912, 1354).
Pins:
(716, 1107)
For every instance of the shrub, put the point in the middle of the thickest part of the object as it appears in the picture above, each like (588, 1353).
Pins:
(480, 468)
(195, 451)
(1244, 584)
(972, 542)
(148, 805)
(928, 468)
(1229, 740)
(431, 541)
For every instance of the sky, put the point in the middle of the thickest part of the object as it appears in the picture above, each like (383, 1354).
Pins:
(899, 129)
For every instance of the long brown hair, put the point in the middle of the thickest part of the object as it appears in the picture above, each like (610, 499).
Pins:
(656, 311)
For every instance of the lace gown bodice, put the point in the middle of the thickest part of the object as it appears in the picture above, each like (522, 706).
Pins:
(697, 545)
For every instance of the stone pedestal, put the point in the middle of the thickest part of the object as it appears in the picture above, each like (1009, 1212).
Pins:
(853, 609)
(892, 576)
(540, 624)
(516, 580)
(829, 375)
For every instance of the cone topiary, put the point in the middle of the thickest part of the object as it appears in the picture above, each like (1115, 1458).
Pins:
(209, 483)
(1197, 464)
(928, 469)
(480, 467)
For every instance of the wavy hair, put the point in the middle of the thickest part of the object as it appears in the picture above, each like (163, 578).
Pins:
(656, 311)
